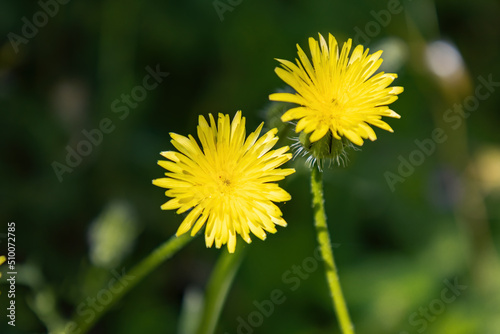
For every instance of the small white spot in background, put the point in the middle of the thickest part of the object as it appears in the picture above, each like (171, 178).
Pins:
(395, 54)
(443, 59)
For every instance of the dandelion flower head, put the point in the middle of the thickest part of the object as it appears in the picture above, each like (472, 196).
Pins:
(227, 185)
(336, 93)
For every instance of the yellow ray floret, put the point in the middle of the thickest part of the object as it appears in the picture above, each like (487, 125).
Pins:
(227, 184)
(337, 93)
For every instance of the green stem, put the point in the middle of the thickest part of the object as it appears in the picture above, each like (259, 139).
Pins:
(327, 253)
(218, 288)
(146, 266)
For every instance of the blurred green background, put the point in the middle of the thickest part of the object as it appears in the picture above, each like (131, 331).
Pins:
(399, 245)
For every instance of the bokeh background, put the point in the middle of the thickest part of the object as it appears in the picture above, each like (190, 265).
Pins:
(398, 244)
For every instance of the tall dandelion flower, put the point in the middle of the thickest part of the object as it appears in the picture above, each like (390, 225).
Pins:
(337, 95)
(228, 184)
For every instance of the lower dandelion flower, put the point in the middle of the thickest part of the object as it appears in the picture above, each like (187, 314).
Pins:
(337, 94)
(228, 184)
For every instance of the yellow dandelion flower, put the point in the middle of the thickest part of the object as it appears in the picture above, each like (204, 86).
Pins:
(2, 260)
(336, 93)
(228, 184)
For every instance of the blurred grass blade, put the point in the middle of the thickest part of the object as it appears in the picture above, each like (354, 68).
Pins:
(145, 267)
(192, 308)
(218, 287)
